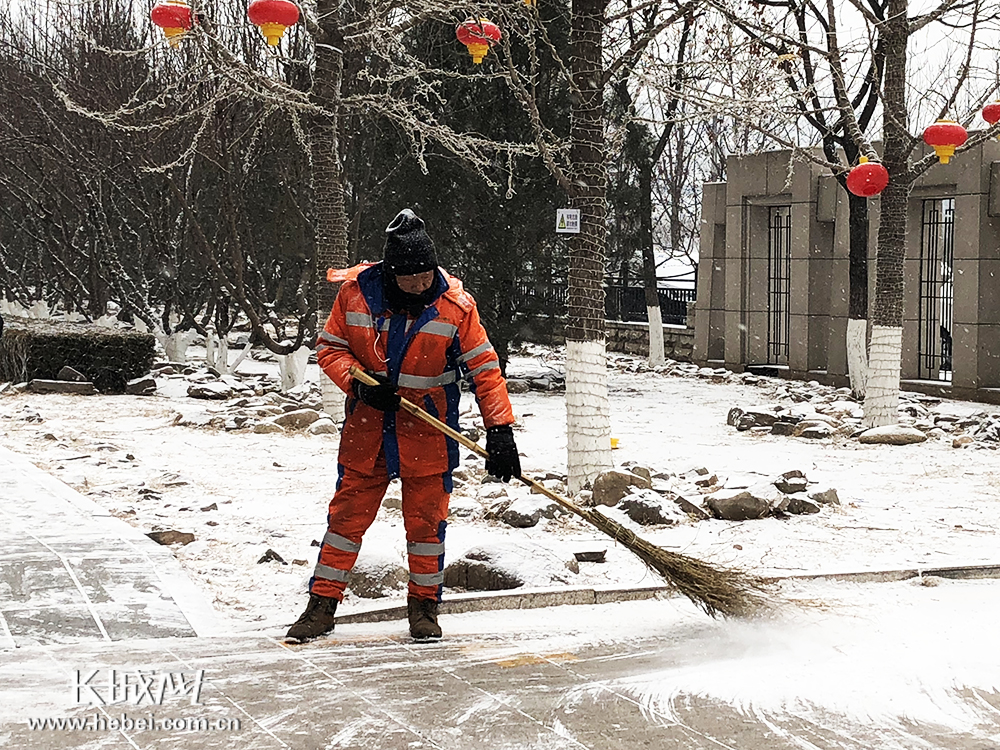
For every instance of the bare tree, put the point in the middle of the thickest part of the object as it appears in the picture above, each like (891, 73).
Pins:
(843, 84)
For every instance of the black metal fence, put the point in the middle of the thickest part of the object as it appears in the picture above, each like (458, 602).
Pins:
(624, 303)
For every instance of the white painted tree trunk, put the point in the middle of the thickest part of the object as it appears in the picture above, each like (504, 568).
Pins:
(176, 344)
(217, 354)
(882, 388)
(333, 399)
(292, 367)
(588, 419)
(655, 318)
(217, 351)
(857, 355)
(39, 309)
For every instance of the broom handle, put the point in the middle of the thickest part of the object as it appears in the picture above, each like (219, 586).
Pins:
(408, 406)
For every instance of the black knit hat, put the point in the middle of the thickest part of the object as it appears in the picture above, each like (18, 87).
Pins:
(408, 249)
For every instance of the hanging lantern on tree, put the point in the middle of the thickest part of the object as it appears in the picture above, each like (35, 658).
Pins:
(991, 113)
(273, 17)
(867, 179)
(478, 37)
(945, 136)
(174, 17)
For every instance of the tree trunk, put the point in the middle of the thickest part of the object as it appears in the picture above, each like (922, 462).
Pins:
(653, 316)
(882, 393)
(588, 417)
(329, 212)
(857, 313)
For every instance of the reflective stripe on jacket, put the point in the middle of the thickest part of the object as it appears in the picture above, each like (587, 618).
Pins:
(425, 357)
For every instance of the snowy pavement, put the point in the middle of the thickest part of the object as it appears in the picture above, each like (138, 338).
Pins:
(911, 667)
(85, 596)
(70, 573)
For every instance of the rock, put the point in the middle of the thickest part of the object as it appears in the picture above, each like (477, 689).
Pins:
(521, 514)
(297, 419)
(144, 386)
(213, 506)
(799, 505)
(462, 507)
(68, 373)
(760, 417)
(739, 504)
(611, 486)
(271, 556)
(962, 440)
(393, 498)
(210, 390)
(826, 496)
(790, 485)
(506, 566)
(892, 435)
(595, 556)
(647, 508)
(642, 471)
(265, 428)
(323, 426)
(686, 506)
(707, 481)
(171, 537)
(552, 485)
(781, 427)
(813, 429)
(733, 417)
(62, 386)
(517, 386)
(375, 576)
(483, 574)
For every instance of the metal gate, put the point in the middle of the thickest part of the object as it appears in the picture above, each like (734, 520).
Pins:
(937, 291)
(779, 277)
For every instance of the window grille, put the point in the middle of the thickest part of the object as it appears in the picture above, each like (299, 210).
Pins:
(937, 291)
(779, 277)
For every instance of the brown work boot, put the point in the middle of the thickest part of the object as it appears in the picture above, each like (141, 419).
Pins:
(423, 616)
(317, 620)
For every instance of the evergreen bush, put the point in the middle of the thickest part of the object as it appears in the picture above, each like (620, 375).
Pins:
(39, 349)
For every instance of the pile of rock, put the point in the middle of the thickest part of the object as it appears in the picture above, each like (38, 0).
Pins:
(820, 411)
(250, 402)
(698, 494)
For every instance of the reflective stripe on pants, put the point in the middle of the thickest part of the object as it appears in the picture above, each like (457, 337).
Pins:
(353, 509)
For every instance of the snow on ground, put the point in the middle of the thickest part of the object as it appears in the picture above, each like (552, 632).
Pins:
(909, 506)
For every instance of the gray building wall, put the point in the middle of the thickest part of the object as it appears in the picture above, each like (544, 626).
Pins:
(731, 315)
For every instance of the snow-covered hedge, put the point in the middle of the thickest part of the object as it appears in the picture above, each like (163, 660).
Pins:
(39, 349)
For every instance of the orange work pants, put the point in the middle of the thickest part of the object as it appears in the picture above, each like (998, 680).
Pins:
(352, 510)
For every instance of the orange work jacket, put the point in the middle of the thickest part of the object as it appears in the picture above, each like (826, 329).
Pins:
(425, 357)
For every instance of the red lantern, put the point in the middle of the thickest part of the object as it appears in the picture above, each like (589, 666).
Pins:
(991, 112)
(174, 17)
(273, 17)
(478, 36)
(945, 136)
(868, 178)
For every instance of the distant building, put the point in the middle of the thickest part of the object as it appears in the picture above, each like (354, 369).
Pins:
(773, 273)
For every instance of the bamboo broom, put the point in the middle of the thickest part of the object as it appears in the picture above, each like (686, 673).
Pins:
(726, 591)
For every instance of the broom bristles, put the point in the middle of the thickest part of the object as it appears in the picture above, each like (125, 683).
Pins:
(726, 591)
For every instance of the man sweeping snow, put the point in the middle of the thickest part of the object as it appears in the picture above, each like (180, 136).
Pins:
(413, 326)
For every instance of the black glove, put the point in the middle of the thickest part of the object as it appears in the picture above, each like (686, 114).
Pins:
(382, 396)
(503, 462)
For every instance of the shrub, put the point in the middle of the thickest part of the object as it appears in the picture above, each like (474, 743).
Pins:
(31, 349)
